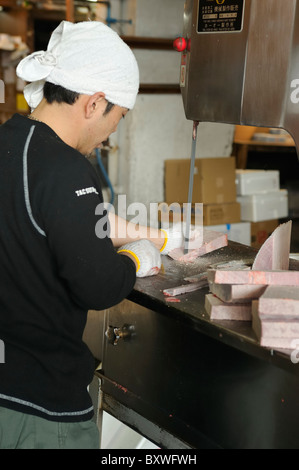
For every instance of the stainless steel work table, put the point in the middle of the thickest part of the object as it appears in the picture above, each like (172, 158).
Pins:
(184, 381)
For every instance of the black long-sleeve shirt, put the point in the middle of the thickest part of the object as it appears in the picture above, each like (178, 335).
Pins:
(53, 269)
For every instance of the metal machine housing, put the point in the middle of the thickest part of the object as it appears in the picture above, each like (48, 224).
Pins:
(244, 71)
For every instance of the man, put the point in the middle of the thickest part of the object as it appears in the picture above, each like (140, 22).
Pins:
(54, 267)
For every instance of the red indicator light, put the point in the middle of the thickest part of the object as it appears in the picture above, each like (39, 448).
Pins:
(180, 44)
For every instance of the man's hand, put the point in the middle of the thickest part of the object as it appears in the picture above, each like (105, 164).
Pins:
(146, 256)
(174, 238)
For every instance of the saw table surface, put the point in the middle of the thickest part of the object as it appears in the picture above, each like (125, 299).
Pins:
(184, 381)
(190, 307)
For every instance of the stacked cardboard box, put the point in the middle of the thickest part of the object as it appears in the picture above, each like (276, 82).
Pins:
(262, 202)
(214, 186)
(261, 231)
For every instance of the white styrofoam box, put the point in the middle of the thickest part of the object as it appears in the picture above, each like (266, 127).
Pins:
(240, 233)
(266, 206)
(268, 137)
(250, 182)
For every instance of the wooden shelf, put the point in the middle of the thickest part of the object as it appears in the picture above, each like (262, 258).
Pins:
(255, 143)
(161, 89)
(151, 43)
(242, 147)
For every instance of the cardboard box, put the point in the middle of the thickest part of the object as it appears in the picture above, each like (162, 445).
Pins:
(267, 206)
(261, 231)
(217, 214)
(176, 213)
(214, 180)
(249, 182)
(201, 214)
(244, 133)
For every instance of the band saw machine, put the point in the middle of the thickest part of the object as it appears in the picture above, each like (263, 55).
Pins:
(165, 369)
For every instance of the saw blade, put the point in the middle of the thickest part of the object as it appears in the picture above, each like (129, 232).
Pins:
(190, 191)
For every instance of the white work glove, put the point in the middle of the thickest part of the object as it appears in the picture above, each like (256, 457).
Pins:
(147, 257)
(174, 238)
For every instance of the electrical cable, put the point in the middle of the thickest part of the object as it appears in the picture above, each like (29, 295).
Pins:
(105, 175)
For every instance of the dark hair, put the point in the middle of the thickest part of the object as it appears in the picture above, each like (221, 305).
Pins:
(59, 94)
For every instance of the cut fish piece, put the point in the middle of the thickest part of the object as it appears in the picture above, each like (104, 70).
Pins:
(278, 278)
(218, 310)
(184, 289)
(239, 293)
(212, 241)
(275, 252)
(280, 302)
(196, 277)
(282, 341)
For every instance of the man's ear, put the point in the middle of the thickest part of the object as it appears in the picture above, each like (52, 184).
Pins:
(94, 103)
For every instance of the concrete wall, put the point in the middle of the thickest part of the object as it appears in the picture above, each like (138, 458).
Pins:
(157, 129)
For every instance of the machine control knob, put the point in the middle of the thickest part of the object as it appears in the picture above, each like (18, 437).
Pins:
(180, 44)
(114, 333)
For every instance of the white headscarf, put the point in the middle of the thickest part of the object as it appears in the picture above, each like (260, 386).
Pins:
(86, 58)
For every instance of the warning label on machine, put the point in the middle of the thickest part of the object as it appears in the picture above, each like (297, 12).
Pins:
(219, 16)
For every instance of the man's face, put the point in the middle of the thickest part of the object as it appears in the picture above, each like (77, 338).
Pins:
(109, 122)
(101, 127)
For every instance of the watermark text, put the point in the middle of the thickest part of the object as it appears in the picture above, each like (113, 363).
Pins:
(139, 216)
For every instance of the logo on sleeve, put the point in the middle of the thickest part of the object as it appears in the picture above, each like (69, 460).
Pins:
(85, 191)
